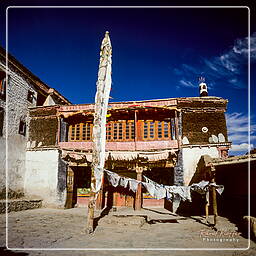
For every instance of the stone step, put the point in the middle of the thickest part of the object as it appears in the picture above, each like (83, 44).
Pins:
(15, 205)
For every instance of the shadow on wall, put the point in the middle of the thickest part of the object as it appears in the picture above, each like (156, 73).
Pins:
(197, 206)
(202, 172)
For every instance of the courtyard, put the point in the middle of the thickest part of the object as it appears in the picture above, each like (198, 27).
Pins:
(150, 231)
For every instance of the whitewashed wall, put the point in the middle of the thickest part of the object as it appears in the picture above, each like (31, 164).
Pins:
(191, 157)
(42, 177)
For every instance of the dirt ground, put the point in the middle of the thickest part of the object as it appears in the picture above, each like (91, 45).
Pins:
(150, 232)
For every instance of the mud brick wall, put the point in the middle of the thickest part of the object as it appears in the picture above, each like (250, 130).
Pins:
(43, 127)
(45, 111)
(43, 132)
(193, 122)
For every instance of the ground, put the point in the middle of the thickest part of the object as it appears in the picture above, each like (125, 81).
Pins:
(132, 232)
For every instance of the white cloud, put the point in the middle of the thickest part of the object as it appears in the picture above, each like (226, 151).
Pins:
(241, 147)
(230, 66)
(241, 46)
(233, 80)
(228, 62)
(241, 137)
(238, 54)
(211, 65)
(237, 125)
(187, 83)
(239, 122)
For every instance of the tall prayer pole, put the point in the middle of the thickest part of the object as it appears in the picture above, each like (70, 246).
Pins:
(99, 125)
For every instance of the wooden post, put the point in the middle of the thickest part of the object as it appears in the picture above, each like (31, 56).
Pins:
(207, 206)
(138, 197)
(214, 196)
(70, 188)
(135, 128)
(99, 126)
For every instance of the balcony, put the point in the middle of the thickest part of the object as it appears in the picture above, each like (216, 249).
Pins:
(123, 145)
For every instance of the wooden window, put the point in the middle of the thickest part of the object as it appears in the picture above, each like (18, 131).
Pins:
(129, 130)
(120, 131)
(1, 121)
(72, 130)
(30, 97)
(152, 130)
(145, 131)
(166, 129)
(149, 130)
(22, 128)
(156, 130)
(86, 131)
(160, 130)
(80, 132)
(115, 130)
(2, 84)
(77, 134)
(108, 131)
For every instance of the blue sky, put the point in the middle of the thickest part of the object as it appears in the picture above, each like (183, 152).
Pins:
(157, 53)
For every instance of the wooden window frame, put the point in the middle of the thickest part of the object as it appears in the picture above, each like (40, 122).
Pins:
(76, 132)
(110, 131)
(1, 121)
(22, 128)
(31, 96)
(79, 131)
(87, 130)
(131, 130)
(125, 131)
(156, 125)
(2, 84)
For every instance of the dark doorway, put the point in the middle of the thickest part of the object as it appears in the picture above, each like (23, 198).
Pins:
(78, 186)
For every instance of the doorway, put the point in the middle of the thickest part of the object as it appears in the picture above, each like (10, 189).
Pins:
(78, 186)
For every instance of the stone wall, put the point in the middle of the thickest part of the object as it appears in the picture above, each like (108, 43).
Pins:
(17, 92)
(46, 177)
(2, 145)
(15, 205)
